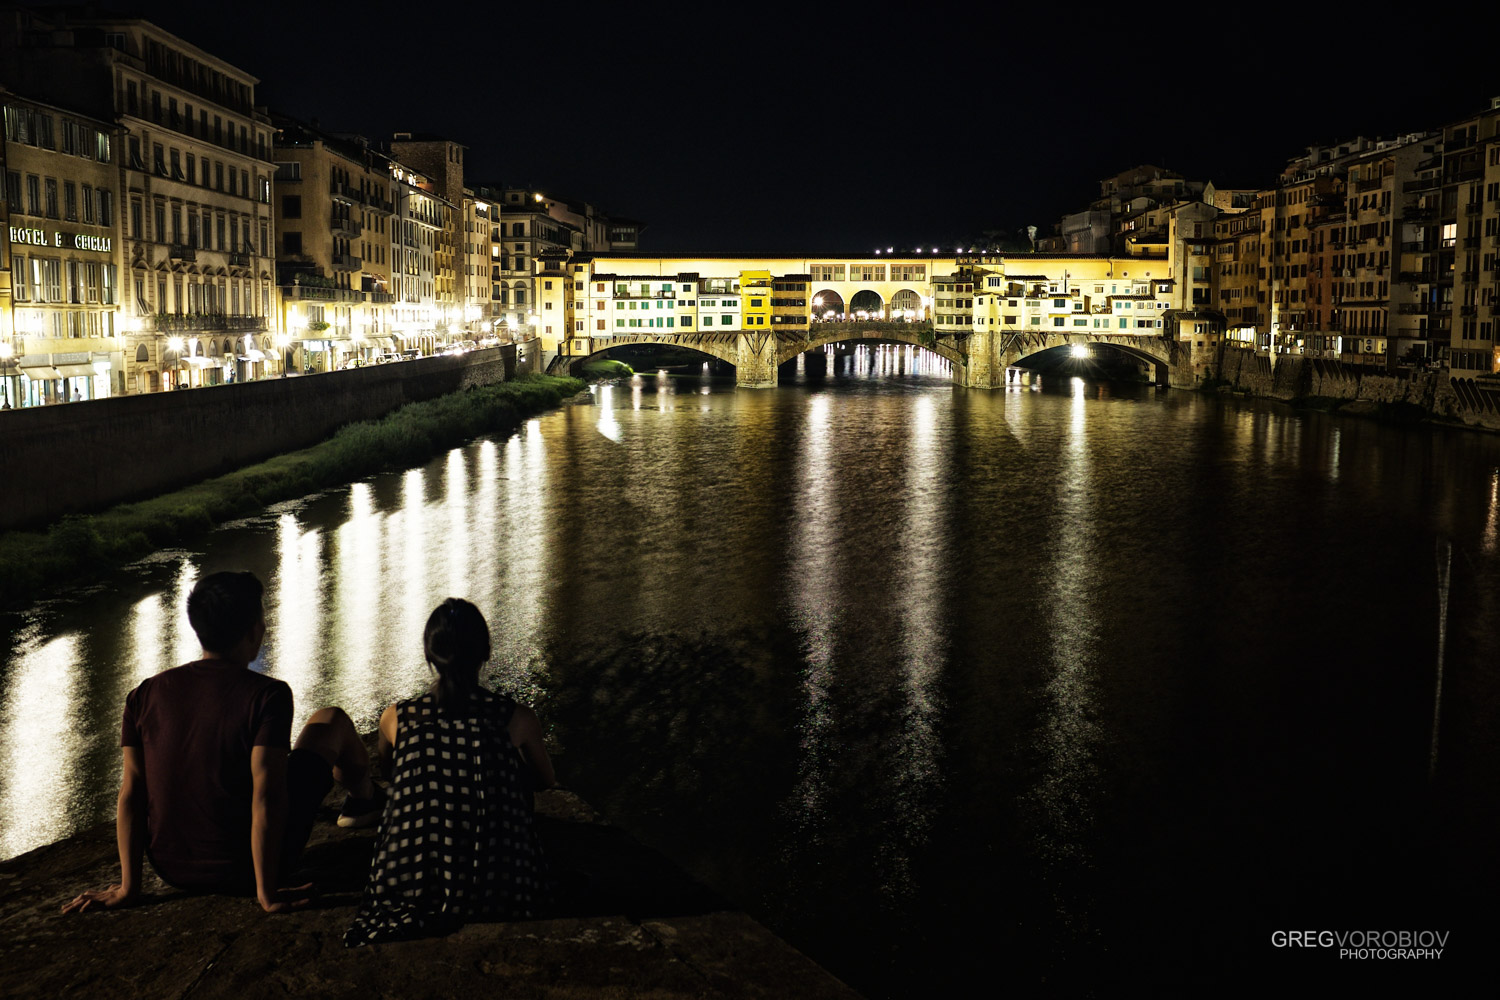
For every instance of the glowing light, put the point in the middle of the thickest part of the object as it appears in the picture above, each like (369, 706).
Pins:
(1080, 351)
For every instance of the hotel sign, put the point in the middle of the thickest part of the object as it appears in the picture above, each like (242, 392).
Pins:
(72, 241)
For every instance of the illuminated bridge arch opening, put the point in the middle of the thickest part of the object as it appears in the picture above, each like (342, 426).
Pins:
(828, 306)
(1092, 360)
(841, 347)
(867, 304)
(645, 356)
(907, 305)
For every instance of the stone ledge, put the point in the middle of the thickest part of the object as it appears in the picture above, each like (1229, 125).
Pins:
(627, 924)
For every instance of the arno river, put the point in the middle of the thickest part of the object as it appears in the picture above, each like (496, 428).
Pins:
(1072, 680)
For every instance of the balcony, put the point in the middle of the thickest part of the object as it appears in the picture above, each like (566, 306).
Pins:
(622, 294)
(316, 293)
(382, 297)
(345, 192)
(1468, 310)
(239, 260)
(1474, 208)
(201, 322)
(1422, 184)
(182, 252)
(1415, 277)
(346, 227)
(345, 262)
(1417, 308)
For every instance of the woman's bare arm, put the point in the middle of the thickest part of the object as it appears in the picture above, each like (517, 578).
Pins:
(526, 734)
(385, 743)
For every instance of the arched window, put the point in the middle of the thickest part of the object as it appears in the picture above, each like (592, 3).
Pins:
(141, 354)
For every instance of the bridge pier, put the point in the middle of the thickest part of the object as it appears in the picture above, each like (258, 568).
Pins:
(982, 370)
(755, 360)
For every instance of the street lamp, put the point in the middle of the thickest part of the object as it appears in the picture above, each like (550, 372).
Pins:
(7, 354)
(174, 347)
(283, 344)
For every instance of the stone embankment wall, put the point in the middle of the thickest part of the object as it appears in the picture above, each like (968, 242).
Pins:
(1466, 401)
(80, 457)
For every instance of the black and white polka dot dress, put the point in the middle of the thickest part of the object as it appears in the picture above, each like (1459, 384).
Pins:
(456, 841)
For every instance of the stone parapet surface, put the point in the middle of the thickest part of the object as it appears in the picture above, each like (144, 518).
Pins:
(626, 924)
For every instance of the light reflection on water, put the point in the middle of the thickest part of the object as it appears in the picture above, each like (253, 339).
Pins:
(815, 616)
(1069, 737)
(41, 717)
(926, 535)
(955, 642)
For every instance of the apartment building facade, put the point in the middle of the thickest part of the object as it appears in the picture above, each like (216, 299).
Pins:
(334, 221)
(194, 193)
(60, 256)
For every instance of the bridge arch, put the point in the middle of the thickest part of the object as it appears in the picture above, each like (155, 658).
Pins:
(828, 301)
(889, 334)
(719, 347)
(868, 302)
(1151, 351)
(907, 304)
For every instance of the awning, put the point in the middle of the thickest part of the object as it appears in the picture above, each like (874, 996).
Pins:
(76, 371)
(39, 373)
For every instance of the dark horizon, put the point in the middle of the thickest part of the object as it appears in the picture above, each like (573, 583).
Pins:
(815, 148)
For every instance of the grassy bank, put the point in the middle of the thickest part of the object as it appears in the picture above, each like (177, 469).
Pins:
(80, 546)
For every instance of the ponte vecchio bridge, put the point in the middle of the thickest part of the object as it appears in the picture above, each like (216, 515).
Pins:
(982, 313)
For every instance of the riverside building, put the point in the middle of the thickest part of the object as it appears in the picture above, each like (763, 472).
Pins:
(194, 188)
(533, 225)
(60, 331)
(334, 214)
(440, 162)
(419, 216)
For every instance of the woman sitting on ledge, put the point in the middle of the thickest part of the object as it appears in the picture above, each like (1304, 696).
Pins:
(456, 842)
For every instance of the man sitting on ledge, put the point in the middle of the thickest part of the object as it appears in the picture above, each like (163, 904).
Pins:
(210, 792)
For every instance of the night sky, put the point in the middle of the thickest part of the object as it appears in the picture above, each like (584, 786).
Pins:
(794, 130)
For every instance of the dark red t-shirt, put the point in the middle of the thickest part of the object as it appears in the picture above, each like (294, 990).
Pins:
(195, 725)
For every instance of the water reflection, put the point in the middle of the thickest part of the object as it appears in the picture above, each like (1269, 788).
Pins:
(1069, 737)
(925, 538)
(42, 719)
(814, 612)
(357, 550)
(294, 605)
(869, 650)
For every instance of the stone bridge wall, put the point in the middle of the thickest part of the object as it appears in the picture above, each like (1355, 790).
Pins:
(76, 457)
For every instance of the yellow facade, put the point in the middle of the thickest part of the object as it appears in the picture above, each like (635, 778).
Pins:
(755, 299)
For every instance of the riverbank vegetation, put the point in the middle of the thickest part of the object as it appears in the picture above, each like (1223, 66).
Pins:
(606, 368)
(81, 546)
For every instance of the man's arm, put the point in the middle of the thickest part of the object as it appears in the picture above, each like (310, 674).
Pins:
(130, 837)
(268, 825)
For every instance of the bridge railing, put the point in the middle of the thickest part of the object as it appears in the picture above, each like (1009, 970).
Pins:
(820, 327)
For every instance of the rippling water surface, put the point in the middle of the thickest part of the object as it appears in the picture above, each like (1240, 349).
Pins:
(932, 681)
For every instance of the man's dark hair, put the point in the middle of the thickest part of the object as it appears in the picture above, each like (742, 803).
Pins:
(223, 608)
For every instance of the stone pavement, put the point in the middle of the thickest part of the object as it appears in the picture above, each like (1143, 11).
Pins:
(628, 924)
